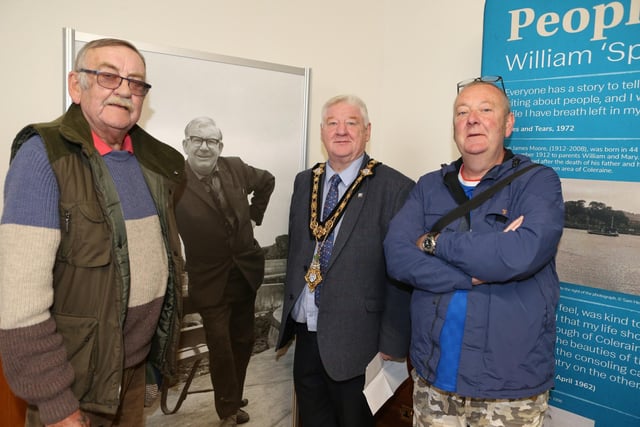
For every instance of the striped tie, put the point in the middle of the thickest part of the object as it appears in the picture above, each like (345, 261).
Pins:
(325, 250)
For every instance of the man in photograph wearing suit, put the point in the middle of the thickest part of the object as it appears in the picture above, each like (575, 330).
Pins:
(338, 301)
(224, 262)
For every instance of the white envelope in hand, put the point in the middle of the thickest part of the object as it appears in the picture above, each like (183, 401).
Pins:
(382, 379)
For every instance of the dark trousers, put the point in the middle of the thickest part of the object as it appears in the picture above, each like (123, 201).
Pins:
(322, 401)
(229, 332)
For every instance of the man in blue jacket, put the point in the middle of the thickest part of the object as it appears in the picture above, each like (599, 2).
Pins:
(485, 286)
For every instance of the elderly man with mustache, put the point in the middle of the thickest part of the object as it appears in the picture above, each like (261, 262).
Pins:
(90, 259)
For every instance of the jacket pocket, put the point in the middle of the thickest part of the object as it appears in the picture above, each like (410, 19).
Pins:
(497, 212)
(79, 335)
(86, 240)
(497, 220)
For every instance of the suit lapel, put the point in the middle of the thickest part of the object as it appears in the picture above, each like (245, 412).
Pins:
(195, 186)
(350, 216)
(226, 175)
(349, 221)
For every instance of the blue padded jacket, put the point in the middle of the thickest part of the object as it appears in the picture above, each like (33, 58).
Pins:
(509, 334)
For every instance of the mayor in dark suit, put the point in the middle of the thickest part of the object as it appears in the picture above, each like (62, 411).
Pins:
(339, 302)
(224, 263)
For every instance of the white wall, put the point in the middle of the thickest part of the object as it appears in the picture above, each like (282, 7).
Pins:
(402, 57)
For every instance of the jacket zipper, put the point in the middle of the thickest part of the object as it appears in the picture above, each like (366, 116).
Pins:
(67, 220)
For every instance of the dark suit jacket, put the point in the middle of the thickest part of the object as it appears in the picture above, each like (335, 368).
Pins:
(362, 311)
(212, 247)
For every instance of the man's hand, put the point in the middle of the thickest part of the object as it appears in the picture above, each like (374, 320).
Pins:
(77, 419)
(511, 227)
(385, 356)
(515, 224)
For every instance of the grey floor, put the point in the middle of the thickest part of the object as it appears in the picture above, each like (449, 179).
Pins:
(269, 388)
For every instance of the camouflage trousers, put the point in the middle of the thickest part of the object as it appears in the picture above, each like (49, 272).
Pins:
(433, 407)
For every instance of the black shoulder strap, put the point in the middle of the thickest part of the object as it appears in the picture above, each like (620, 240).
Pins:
(452, 182)
(474, 202)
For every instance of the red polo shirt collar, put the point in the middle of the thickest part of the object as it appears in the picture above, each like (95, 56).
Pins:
(104, 148)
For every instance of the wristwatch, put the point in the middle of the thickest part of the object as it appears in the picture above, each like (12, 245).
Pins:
(429, 243)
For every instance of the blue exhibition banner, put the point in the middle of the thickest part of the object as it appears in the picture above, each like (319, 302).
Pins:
(572, 73)
(598, 355)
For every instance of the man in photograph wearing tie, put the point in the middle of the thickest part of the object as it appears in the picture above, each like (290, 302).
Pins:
(224, 262)
(338, 301)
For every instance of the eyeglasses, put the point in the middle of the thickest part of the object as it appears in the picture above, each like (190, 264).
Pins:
(486, 79)
(113, 81)
(211, 142)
